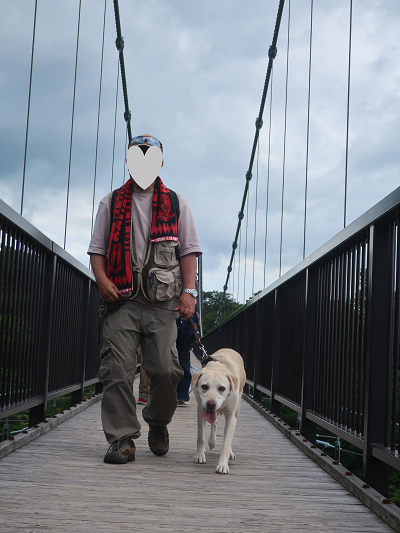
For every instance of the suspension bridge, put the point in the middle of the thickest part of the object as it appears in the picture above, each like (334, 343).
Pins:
(320, 337)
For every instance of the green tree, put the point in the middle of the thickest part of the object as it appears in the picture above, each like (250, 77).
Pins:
(211, 301)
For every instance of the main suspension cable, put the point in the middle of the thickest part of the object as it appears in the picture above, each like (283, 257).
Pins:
(98, 113)
(29, 108)
(119, 43)
(72, 125)
(272, 51)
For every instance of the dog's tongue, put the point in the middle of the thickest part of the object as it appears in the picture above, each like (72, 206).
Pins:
(211, 416)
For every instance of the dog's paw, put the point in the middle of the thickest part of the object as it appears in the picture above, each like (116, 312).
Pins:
(232, 455)
(211, 443)
(222, 468)
(200, 458)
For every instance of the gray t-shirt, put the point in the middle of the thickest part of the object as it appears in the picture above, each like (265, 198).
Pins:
(141, 214)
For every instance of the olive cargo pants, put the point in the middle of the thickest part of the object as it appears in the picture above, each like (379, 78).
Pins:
(124, 329)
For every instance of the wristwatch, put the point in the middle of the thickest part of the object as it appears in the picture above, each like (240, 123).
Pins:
(193, 292)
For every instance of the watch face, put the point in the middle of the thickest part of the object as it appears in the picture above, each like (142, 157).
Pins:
(195, 293)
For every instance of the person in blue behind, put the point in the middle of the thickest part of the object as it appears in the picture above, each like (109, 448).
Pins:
(183, 343)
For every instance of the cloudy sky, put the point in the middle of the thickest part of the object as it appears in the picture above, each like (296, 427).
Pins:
(195, 73)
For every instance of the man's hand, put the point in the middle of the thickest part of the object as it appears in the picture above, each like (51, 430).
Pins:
(108, 291)
(186, 304)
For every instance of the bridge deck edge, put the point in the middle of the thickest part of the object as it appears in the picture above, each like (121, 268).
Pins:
(389, 513)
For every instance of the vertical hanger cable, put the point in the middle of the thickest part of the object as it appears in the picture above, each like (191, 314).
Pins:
(72, 125)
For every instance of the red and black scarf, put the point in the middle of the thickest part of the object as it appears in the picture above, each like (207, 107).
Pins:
(164, 227)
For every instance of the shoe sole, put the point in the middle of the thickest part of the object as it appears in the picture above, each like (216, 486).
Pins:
(159, 453)
(116, 460)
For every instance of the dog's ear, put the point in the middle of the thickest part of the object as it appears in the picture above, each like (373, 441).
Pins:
(195, 379)
(233, 380)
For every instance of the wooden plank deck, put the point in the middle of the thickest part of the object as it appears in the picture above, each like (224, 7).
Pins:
(59, 483)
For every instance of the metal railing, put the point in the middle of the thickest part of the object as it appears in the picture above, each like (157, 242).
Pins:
(324, 339)
(48, 321)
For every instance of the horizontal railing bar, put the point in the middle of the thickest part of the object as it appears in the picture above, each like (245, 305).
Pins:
(264, 390)
(249, 382)
(380, 453)
(376, 212)
(63, 392)
(91, 382)
(72, 261)
(15, 218)
(288, 403)
(21, 407)
(352, 439)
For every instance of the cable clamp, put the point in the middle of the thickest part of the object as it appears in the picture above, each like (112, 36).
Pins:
(119, 43)
(234, 245)
(240, 216)
(249, 175)
(229, 269)
(127, 116)
(272, 51)
(259, 123)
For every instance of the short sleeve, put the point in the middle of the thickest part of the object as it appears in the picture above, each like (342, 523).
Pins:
(101, 231)
(187, 233)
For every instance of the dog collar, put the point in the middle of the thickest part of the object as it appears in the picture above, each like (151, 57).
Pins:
(206, 360)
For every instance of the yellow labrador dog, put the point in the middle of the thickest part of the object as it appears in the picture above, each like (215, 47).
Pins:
(218, 389)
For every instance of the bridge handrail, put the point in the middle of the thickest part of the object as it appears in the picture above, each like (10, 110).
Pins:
(48, 320)
(324, 339)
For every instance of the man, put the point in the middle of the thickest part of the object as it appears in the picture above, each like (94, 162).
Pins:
(134, 256)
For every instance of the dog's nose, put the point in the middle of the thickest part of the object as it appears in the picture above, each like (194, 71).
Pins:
(211, 405)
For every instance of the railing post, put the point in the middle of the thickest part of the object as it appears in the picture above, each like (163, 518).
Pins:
(38, 414)
(308, 428)
(78, 395)
(375, 472)
(257, 352)
(276, 407)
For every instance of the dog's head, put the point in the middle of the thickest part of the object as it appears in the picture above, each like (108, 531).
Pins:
(213, 385)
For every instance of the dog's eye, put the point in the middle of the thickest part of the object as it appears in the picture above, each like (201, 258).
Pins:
(221, 389)
(204, 387)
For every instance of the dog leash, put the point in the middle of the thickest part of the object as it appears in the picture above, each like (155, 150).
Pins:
(206, 358)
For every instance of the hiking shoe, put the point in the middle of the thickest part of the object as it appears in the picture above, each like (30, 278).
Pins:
(143, 399)
(158, 440)
(182, 403)
(121, 451)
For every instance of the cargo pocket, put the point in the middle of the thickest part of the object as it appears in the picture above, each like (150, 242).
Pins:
(165, 253)
(106, 357)
(163, 285)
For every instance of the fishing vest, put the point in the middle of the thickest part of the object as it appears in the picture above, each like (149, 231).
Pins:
(159, 274)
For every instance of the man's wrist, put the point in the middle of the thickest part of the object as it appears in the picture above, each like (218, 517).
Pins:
(192, 292)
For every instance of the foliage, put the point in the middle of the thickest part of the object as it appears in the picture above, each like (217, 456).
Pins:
(211, 301)
(20, 421)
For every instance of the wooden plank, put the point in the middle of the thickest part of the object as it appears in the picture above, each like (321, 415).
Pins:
(59, 483)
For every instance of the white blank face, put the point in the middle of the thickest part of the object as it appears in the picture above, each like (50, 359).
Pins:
(144, 168)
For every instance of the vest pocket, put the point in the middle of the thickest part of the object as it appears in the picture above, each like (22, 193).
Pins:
(164, 253)
(163, 285)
